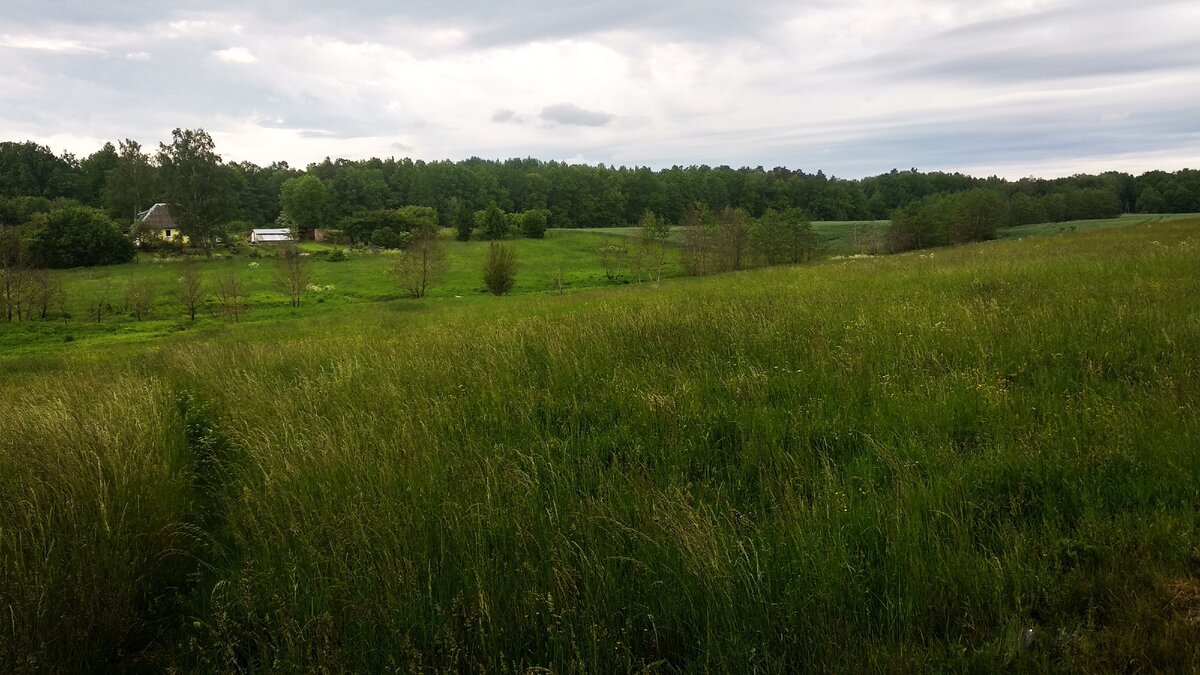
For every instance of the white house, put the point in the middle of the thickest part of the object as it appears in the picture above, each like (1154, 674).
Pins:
(271, 235)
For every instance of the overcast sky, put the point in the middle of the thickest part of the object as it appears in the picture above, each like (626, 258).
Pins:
(854, 87)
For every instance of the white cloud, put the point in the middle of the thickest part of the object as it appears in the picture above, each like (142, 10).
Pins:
(138, 56)
(45, 44)
(235, 55)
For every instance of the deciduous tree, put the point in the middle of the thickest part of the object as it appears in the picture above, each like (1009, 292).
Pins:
(309, 202)
(198, 187)
(191, 292)
(422, 263)
(293, 272)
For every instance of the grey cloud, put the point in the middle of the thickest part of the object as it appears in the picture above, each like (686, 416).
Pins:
(503, 115)
(571, 114)
(1068, 40)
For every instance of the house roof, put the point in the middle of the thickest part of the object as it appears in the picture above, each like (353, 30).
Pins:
(271, 230)
(158, 215)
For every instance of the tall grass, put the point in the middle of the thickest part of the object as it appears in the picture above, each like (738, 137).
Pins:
(978, 458)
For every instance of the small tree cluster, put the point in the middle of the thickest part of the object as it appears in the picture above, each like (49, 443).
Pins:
(731, 240)
(944, 219)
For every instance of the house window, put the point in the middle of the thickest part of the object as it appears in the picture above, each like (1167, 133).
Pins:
(167, 234)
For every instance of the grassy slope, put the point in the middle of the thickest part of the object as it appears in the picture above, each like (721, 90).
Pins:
(981, 457)
(362, 278)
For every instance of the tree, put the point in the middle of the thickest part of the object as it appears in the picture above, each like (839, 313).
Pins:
(652, 235)
(1150, 201)
(493, 222)
(802, 242)
(386, 237)
(499, 268)
(733, 237)
(42, 292)
(612, 258)
(199, 189)
(139, 297)
(358, 188)
(231, 293)
(31, 169)
(533, 223)
(308, 201)
(191, 293)
(976, 215)
(99, 297)
(699, 241)
(294, 274)
(14, 274)
(464, 222)
(1025, 210)
(94, 170)
(422, 263)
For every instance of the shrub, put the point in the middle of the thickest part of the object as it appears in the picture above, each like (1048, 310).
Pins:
(386, 237)
(533, 223)
(499, 269)
(78, 236)
(493, 222)
(337, 255)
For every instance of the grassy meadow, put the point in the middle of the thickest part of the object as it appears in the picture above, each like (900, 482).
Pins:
(980, 458)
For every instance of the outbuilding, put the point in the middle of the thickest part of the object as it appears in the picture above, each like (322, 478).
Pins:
(271, 235)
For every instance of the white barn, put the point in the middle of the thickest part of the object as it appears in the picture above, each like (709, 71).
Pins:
(273, 235)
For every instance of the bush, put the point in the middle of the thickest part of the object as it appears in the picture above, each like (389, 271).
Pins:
(386, 237)
(499, 269)
(78, 236)
(533, 223)
(493, 221)
(338, 255)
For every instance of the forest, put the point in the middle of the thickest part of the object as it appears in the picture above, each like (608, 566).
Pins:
(125, 178)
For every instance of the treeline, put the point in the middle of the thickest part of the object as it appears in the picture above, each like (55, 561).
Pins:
(123, 179)
(976, 215)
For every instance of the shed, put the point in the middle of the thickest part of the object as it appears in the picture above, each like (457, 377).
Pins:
(271, 235)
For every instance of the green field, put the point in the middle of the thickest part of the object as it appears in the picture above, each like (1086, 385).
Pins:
(365, 277)
(980, 458)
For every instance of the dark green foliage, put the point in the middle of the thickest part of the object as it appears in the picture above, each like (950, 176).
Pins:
(308, 202)
(493, 221)
(784, 237)
(943, 219)
(358, 187)
(1150, 201)
(78, 237)
(386, 237)
(360, 228)
(29, 169)
(131, 185)
(533, 223)
(573, 195)
(464, 222)
(199, 189)
(499, 268)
